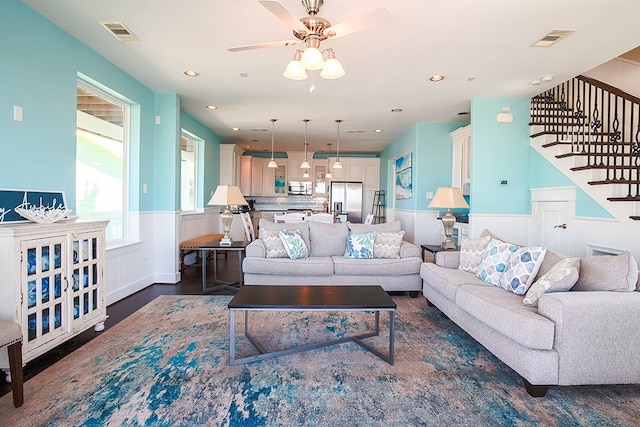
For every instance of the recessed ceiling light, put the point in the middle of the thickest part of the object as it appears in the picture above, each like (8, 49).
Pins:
(396, 110)
(191, 73)
(235, 129)
(378, 131)
(212, 107)
(436, 78)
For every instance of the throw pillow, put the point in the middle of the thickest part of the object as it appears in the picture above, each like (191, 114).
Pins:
(387, 245)
(272, 244)
(495, 261)
(607, 273)
(294, 244)
(360, 245)
(328, 239)
(302, 227)
(522, 269)
(560, 278)
(471, 253)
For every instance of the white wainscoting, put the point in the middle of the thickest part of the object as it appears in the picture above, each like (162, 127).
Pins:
(603, 233)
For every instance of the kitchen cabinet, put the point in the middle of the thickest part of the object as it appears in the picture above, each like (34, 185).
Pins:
(263, 177)
(52, 282)
(295, 160)
(461, 166)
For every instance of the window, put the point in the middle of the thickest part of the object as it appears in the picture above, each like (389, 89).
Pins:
(188, 171)
(102, 134)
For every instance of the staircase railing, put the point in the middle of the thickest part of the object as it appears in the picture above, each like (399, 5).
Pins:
(598, 123)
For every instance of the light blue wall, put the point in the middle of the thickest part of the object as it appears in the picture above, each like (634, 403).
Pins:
(39, 67)
(430, 144)
(500, 151)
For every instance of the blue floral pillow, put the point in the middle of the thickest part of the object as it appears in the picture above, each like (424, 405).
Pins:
(294, 244)
(360, 245)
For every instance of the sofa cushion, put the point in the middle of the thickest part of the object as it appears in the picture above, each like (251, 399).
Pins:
(387, 244)
(384, 227)
(376, 267)
(293, 244)
(522, 269)
(272, 244)
(504, 312)
(471, 253)
(560, 278)
(551, 258)
(360, 245)
(607, 273)
(302, 227)
(447, 280)
(495, 261)
(311, 266)
(328, 239)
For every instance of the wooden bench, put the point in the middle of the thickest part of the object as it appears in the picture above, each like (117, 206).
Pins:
(192, 245)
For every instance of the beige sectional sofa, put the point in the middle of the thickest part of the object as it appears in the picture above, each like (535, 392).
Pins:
(326, 263)
(586, 335)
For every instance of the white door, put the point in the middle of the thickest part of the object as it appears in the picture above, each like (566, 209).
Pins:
(552, 225)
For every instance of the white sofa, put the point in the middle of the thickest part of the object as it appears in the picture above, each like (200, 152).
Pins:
(326, 263)
(571, 338)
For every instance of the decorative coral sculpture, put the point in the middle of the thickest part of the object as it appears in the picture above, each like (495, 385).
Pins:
(42, 214)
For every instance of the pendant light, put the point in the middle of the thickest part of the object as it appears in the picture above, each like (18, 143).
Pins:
(328, 174)
(305, 163)
(337, 164)
(272, 163)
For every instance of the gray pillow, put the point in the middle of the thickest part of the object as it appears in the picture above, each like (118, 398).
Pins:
(471, 253)
(387, 227)
(608, 273)
(328, 239)
(560, 278)
(387, 244)
(273, 246)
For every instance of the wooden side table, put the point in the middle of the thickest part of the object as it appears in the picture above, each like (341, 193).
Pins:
(434, 249)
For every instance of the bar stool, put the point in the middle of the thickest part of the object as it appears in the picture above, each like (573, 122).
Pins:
(11, 337)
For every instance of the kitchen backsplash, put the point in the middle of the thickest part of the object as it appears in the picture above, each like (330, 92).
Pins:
(270, 203)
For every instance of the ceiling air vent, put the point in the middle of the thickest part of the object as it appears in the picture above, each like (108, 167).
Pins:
(119, 31)
(552, 37)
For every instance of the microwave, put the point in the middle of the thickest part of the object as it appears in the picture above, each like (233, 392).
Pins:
(300, 188)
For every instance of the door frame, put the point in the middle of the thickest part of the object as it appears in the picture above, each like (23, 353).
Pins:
(553, 194)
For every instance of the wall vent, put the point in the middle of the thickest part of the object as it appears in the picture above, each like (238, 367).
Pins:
(552, 37)
(119, 31)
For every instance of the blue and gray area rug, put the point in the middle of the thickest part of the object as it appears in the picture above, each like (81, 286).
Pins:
(167, 365)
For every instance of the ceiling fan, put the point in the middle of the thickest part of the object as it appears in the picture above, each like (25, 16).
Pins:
(313, 29)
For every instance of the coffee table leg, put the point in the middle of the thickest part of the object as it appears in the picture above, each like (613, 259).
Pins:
(392, 333)
(232, 337)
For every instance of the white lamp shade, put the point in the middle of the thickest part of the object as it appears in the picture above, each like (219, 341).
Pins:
(227, 195)
(448, 198)
(312, 59)
(305, 165)
(332, 69)
(295, 71)
(272, 164)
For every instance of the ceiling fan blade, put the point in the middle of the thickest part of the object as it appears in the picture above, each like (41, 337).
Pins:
(284, 15)
(371, 19)
(263, 45)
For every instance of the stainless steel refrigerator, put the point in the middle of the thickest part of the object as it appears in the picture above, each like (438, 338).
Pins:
(346, 198)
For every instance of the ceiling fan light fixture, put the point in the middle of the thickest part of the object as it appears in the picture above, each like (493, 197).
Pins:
(295, 70)
(332, 67)
(312, 59)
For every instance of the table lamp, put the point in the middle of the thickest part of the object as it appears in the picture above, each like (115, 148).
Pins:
(227, 195)
(448, 198)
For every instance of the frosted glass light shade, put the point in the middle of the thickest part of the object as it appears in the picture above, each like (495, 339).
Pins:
(337, 164)
(295, 71)
(312, 59)
(332, 69)
(272, 164)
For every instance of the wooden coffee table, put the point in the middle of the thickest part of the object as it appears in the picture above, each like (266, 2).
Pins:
(310, 298)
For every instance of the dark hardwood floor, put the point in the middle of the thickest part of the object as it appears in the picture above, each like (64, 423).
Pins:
(191, 284)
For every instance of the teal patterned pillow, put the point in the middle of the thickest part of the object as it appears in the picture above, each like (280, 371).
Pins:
(360, 245)
(294, 244)
(522, 269)
(495, 261)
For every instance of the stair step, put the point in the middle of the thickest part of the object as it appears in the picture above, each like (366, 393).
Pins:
(603, 167)
(586, 153)
(624, 199)
(615, 181)
(635, 218)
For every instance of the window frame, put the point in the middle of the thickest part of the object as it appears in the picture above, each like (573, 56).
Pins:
(197, 142)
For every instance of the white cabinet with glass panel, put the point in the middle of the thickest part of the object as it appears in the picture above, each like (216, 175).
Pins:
(52, 282)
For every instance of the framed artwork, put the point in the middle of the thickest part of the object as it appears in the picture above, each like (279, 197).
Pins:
(10, 199)
(403, 177)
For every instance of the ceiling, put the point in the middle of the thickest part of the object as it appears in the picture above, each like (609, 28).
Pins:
(483, 48)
